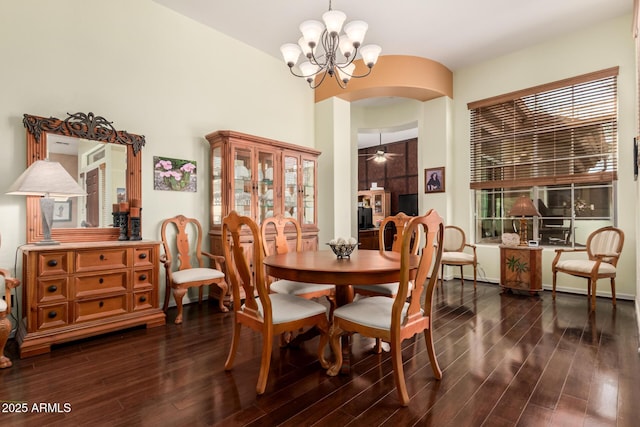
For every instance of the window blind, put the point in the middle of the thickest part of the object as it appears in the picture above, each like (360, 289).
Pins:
(559, 133)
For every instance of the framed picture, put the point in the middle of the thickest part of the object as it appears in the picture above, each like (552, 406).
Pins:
(434, 180)
(62, 211)
(174, 174)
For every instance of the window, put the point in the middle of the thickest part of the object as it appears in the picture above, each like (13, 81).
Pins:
(558, 144)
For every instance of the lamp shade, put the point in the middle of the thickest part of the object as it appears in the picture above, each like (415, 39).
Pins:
(524, 207)
(44, 177)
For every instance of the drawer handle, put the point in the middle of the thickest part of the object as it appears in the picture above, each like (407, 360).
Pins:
(143, 277)
(142, 256)
(143, 299)
(101, 304)
(52, 263)
(52, 288)
(52, 315)
(101, 257)
(101, 280)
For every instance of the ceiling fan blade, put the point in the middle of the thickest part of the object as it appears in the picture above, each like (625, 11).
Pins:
(372, 157)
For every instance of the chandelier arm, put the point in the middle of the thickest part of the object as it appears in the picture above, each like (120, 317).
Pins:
(303, 75)
(324, 75)
(340, 82)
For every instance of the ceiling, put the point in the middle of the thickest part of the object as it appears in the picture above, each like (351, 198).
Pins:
(456, 33)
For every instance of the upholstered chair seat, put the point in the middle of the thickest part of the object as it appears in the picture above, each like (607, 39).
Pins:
(586, 266)
(455, 244)
(287, 308)
(292, 287)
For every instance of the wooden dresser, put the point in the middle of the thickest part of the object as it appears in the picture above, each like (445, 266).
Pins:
(77, 290)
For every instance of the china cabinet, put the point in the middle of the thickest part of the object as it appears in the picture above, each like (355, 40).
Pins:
(77, 290)
(379, 201)
(259, 178)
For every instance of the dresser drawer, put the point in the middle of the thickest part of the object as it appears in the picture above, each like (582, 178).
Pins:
(53, 263)
(142, 300)
(51, 290)
(102, 259)
(143, 257)
(100, 308)
(142, 279)
(100, 284)
(53, 316)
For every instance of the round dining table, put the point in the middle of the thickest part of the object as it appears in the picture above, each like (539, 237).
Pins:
(362, 267)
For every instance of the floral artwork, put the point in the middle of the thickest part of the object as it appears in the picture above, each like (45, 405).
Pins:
(174, 174)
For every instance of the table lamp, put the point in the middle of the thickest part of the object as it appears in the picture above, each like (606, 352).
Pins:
(49, 180)
(523, 208)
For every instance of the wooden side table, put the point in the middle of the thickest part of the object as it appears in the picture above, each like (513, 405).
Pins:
(521, 268)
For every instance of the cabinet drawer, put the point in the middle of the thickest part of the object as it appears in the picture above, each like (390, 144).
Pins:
(53, 263)
(100, 284)
(101, 259)
(99, 308)
(51, 290)
(142, 300)
(143, 257)
(53, 316)
(143, 279)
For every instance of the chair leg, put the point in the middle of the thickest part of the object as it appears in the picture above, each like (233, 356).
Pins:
(265, 361)
(178, 294)
(553, 290)
(324, 339)
(428, 337)
(475, 274)
(461, 276)
(593, 285)
(200, 294)
(5, 330)
(613, 291)
(224, 288)
(441, 274)
(235, 340)
(334, 341)
(167, 291)
(398, 371)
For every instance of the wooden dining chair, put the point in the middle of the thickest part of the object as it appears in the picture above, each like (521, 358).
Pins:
(399, 223)
(268, 313)
(603, 249)
(184, 263)
(396, 319)
(278, 244)
(8, 283)
(453, 253)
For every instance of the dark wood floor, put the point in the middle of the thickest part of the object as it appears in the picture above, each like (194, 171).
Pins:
(507, 360)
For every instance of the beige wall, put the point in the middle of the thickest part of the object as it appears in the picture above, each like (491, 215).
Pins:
(149, 70)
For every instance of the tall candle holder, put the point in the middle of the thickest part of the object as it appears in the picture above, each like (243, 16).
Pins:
(135, 224)
(123, 223)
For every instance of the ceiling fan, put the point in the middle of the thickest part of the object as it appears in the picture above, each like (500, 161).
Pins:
(380, 156)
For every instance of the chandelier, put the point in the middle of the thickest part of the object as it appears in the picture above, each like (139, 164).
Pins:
(328, 52)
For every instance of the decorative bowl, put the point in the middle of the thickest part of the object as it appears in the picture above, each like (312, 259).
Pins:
(342, 250)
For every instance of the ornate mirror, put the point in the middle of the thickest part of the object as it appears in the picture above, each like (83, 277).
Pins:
(105, 161)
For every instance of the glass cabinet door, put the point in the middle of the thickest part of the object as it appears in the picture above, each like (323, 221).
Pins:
(290, 196)
(308, 191)
(216, 185)
(265, 185)
(242, 183)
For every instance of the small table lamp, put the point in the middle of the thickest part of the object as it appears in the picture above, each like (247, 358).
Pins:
(45, 178)
(523, 207)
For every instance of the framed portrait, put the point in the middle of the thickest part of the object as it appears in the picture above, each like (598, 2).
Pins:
(434, 180)
(62, 211)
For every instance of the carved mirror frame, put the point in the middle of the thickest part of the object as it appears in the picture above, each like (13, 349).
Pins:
(87, 126)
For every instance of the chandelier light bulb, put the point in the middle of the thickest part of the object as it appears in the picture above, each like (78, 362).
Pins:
(356, 31)
(346, 46)
(333, 20)
(290, 53)
(311, 31)
(370, 54)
